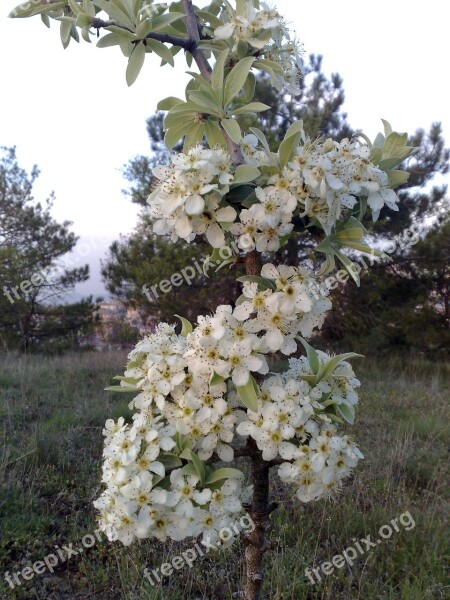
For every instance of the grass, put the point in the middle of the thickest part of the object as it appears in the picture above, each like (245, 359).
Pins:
(51, 414)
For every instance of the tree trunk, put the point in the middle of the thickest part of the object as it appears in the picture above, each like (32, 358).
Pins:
(256, 541)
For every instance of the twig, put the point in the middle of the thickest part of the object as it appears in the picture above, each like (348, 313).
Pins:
(165, 38)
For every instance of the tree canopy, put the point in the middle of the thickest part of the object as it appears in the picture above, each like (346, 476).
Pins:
(34, 279)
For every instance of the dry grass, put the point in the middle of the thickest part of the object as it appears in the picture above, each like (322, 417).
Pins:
(51, 415)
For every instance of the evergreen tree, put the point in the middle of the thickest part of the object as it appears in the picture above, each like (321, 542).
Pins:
(33, 280)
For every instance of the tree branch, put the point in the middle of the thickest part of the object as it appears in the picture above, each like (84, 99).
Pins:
(165, 38)
(194, 36)
(193, 31)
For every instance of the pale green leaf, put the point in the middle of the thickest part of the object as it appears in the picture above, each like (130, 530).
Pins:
(233, 129)
(253, 107)
(312, 356)
(261, 137)
(194, 135)
(135, 63)
(168, 103)
(186, 326)
(387, 128)
(65, 29)
(248, 396)
(246, 173)
(334, 362)
(122, 388)
(249, 87)
(213, 134)
(169, 460)
(115, 13)
(190, 468)
(347, 412)
(161, 22)
(110, 39)
(174, 134)
(218, 74)
(222, 474)
(397, 178)
(161, 50)
(287, 148)
(236, 79)
(206, 101)
(208, 17)
(216, 379)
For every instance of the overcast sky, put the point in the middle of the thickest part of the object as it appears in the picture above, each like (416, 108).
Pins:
(72, 113)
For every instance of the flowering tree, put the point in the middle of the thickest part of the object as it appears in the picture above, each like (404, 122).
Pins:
(207, 395)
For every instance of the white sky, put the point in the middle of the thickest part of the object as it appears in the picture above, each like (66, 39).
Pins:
(72, 113)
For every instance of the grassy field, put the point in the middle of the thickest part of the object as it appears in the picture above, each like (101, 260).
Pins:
(51, 414)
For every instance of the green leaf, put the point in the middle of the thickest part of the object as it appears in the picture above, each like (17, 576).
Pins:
(168, 103)
(115, 13)
(210, 18)
(198, 464)
(135, 63)
(255, 386)
(28, 9)
(236, 79)
(65, 29)
(393, 144)
(263, 283)
(239, 194)
(249, 87)
(206, 101)
(313, 357)
(194, 135)
(187, 326)
(248, 395)
(261, 137)
(161, 50)
(218, 74)
(159, 23)
(253, 107)
(110, 39)
(387, 128)
(213, 134)
(222, 474)
(347, 412)
(233, 129)
(397, 178)
(216, 379)
(189, 469)
(169, 460)
(122, 388)
(246, 173)
(296, 127)
(287, 148)
(174, 134)
(333, 364)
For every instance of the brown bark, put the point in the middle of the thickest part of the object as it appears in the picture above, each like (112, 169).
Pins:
(256, 541)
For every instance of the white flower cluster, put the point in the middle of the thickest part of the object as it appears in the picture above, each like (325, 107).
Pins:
(295, 304)
(177, 410)
(292, 424)
(322, 180)
(188, 407)
(186, 202)
(265, 31)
